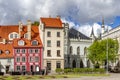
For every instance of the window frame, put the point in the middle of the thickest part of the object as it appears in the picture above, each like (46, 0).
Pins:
(48, 53)
(48, 34)
(48, 43)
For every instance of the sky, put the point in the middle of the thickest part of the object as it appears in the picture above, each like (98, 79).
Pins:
(80, 14)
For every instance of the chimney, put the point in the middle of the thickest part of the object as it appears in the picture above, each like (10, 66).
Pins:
(4, 41)
(29, 29)
(58, 16)
(20, 28)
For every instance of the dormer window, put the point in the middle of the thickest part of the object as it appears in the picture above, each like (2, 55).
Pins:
(21, 43)
(26, 35)
(13, 35)
(7, 51)
(0, 51)
(34, 43)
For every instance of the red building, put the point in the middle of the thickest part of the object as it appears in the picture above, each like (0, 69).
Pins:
(27, 49)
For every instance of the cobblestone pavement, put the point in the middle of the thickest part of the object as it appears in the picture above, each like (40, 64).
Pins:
(113, 76)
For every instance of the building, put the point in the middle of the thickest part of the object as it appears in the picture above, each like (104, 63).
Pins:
(114, 34)
(28, 49)
(21, 48)
(77, 50)
(52, 36)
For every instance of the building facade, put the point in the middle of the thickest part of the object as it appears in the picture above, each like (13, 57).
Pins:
(114, 34)
(76, 56)
(52, 36)
(21, 48)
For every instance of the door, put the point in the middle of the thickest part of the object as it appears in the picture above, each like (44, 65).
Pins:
(7, 69)
(31, 68)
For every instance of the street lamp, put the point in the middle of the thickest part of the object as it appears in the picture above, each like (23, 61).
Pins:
(107, 53)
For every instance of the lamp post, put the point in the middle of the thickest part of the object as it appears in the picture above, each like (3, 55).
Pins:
(107, 54)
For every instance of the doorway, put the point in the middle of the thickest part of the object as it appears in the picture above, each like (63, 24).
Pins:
(31, 68)
(7, 69)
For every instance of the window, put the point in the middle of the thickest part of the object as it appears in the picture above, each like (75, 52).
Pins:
(48, 43)
(58, 43)
(48, 34)
(36, 59)
(7, 51)
(58, 53)
(34, 43)
(78, 50)
(31, 59)
(23, 59)
(15, 36)
(48, 53)
(18, 68)
(9, 60)
(71, 50)
(48, 65)
(30, 50)
(0, 51)
(26, 35)
(17, 50)
(58, 34)
(18, 59)
(21, 43)
(23, 51)
(58, 64)
(11, 35)
(36, 50)
(23, 68)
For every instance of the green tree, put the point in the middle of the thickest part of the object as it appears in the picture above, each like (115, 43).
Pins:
(98, 50)
(36, 23)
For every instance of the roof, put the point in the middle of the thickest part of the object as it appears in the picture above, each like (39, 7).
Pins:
(6, 29)
(73, 33)
(10, 44)
(34, 36)
(3, 48)
(52, 22)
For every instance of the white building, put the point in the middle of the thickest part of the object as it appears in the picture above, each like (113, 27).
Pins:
(52, 36)
(114, 34)
(77, 50)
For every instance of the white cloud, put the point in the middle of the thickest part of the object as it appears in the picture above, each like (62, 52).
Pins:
(87, 28)
(79, 11)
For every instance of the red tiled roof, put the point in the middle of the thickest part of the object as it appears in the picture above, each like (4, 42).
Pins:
(3, 48)
(52, 22)
(6, 30)
(34, 36)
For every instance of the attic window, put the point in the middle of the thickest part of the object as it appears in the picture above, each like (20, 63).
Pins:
(7, 51)
(26, 35)
(34, 43)
(21, 43)
(0, 51)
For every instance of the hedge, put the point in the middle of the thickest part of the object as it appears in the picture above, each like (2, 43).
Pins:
(82, 70)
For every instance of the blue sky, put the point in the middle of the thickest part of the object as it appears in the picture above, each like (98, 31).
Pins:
(82, 14)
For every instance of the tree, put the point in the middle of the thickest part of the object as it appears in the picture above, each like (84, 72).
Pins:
(36, 23)
(98, 50)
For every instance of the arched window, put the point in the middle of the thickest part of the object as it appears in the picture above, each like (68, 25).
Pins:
(85, 50)
(78, 50)
(34, 43)
(88, 64)
(71, 50)
(81, 64)
(21, 43)
(74, 64)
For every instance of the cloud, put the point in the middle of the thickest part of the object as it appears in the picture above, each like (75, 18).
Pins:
(87, 28)
(79, 11)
